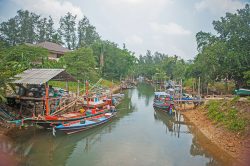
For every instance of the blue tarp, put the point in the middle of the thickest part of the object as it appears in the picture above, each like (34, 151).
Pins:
(161, 94)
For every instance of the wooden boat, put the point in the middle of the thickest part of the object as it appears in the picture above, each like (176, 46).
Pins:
(49, 121)
(94, 101)
(242, 92)
(81, 125)
(163, 100)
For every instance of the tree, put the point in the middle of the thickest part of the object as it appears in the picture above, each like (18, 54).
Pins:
(42, 33)
(117, 62)
(9, 31)
(87, 34)
(67, 30)
(16, 59)
(81, 64)
(50, 31)
(27, 26)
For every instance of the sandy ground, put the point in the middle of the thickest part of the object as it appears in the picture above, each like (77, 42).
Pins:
(232, 143)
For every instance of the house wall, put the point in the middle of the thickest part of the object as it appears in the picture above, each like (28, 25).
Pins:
(54, 56)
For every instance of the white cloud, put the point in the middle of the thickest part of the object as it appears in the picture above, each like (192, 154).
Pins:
(53, 8)
(169, 29)
(219, 6)
(141, 2)
(134, 39)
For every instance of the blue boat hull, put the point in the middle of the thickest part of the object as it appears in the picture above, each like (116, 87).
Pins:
(78, 127)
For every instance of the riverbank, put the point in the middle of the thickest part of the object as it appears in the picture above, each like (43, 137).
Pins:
(233, 143)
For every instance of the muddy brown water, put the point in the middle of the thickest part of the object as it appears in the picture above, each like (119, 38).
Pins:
(139, 136)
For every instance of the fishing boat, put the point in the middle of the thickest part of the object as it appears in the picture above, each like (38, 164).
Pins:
(48, 121)
(94, 101)
(163, 100)
(87, 123)
(242, 92)
(56, 118)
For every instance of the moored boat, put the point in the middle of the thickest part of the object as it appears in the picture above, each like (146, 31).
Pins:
(53, 120)
(163, 100)
(242, 92)
(87, 123)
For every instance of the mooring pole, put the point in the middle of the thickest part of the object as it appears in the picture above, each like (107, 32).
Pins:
(78, 87)
(181, 94)
(47, 108)
(87, 93)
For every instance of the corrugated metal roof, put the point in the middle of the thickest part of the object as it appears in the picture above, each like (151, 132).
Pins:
(39, 76)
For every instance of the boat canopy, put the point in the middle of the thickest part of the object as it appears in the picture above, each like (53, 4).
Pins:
(161, 94)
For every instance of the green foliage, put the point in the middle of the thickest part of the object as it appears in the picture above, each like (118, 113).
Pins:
(234, 122)
(167, 67)
(81, 64)
(71, 85)
(247, 76)
(67, 30)
(225, 57)
(17, 59)
(107, 83)
(223, 113)
(117, 62)
(87, 34)
(235, 99)
(214, 112)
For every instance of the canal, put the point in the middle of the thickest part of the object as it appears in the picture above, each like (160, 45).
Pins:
(138, 136)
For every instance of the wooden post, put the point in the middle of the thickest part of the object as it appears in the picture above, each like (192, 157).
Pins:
(67, 87)
(78, 87)
(181, 94)
(87, 93)
(111, 93)
(47, 108)
(199, 87)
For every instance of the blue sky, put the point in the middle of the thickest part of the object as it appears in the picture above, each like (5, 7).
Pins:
(167, 26)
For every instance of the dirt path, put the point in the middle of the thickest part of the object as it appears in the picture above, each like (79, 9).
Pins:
(235, 145)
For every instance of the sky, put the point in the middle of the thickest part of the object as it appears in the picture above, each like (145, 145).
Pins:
(166, 26)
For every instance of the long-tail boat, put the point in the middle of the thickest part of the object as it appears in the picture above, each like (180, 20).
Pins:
(87, 123)
(49, 120)
(163, 100)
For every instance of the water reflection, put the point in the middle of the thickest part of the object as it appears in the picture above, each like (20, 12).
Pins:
(145, 91)
(138, 136)
(172, 122)
(177, 126)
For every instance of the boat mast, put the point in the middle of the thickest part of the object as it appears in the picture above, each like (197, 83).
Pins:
(87, 93)
(47, 108)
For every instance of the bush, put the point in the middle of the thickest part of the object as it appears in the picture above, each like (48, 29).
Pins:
(230, 118)
(237, 124)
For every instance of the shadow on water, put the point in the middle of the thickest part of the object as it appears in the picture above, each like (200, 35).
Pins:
(42, 148)
(201, 146)
(138, 136)
(145, 91)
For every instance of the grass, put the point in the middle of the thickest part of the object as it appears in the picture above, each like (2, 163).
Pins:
(227, 115)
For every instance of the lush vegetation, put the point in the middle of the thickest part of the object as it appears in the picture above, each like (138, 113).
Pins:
(226, 113)
(226, 56)
(90, 58)
(222, 60)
